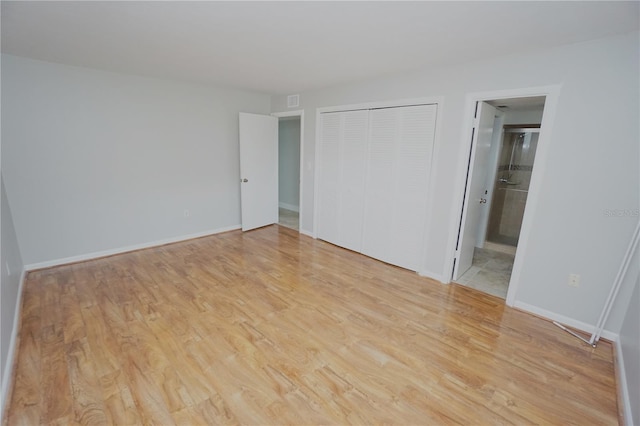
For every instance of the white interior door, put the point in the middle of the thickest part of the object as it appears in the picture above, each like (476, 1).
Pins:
(258, 170)
(475, 198)
(492, 174)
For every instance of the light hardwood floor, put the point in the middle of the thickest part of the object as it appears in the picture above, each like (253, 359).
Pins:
(273, 327)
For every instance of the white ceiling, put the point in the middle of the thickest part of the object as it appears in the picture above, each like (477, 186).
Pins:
(291, 47)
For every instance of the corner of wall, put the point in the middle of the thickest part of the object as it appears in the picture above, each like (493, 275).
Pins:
(621, 379)
(11, 284)
(8, 369)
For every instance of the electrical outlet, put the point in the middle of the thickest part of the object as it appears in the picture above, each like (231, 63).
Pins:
(187, 213)
(574, 280)
(6, 265)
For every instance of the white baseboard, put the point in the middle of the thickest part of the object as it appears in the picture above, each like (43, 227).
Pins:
(307, 233)
(7, 372)
(434, 276)
(287, 206)
(96, 255)
(622, 385)
(573, 323)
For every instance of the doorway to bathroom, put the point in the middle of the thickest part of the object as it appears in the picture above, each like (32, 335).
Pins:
(501, 162)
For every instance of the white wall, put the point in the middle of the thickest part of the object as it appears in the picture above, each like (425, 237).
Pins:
(95, 161)
(11, 266)
(592, 165)
(289, 162)
(630, 344)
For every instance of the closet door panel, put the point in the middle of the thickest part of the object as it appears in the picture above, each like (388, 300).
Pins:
(399, 161)
(353, 171)
(342, 175)
(329, 177)
(416, 131)
(379, 183)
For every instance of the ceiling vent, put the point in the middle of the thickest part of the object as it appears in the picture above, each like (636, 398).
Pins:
(293, 101)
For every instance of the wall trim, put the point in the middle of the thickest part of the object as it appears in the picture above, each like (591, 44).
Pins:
(570, 322)
(432, 275)
(307, 233)
(621, 380)
(288, 206)
(9, 368)
(120, 250)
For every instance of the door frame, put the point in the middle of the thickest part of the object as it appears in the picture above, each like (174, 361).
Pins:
(551, 94)
(297, 113)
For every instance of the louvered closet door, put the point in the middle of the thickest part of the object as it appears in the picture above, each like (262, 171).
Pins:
(399, 163)
(342, 174)
(329, 177)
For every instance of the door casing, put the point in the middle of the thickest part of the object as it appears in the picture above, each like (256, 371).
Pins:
(551, 94)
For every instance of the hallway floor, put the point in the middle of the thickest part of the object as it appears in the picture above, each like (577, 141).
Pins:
(490, 272)
(288, 218)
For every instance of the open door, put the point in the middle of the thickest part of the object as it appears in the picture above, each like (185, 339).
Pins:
(258, 170)
(475, 190)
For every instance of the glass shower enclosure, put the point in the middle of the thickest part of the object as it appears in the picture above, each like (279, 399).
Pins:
(515, 165)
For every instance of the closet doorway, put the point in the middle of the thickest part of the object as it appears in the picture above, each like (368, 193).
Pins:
(502, 156)
(373, 170)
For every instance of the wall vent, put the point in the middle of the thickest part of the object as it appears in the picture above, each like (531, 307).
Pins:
(293, 101)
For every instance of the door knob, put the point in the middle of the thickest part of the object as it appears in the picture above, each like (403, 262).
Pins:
(244, 180)
(483, 200)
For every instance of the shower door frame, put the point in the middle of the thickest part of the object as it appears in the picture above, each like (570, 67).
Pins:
(551, 94)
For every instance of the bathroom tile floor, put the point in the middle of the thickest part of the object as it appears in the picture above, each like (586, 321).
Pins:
(490, 272)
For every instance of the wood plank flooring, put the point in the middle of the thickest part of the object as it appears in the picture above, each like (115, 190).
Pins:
(270, 327)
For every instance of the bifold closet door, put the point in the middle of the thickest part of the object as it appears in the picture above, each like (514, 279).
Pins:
(397, 182)
(342, 162)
